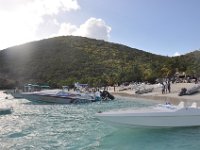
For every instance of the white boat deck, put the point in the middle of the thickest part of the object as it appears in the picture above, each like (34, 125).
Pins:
(158, 116)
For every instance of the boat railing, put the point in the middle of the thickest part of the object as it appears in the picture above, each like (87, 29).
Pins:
(181, 105)
(194, 105)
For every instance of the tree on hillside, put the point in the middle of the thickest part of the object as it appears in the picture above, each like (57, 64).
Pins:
(165, 71)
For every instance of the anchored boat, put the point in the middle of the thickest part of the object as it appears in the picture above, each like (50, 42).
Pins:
(64, 96)
(5, 111)
(159, 116)
(60, 97)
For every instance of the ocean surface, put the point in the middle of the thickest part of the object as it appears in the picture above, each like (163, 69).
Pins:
(37, 126)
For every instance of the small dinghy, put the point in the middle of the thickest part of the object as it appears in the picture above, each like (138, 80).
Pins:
(5, 111)
(190, 91)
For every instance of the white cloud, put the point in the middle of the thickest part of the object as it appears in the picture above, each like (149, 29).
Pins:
(92, 28)
(20, 19)
(177, 54)
(67, 29)
(51, 7)
(28, 20)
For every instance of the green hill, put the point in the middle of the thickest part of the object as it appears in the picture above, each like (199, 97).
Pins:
(65, 60)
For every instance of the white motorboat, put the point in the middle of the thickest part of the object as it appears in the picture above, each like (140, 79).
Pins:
(64, 96)
(58, 97)
(5, 110)
(159, 116)
(16, 95)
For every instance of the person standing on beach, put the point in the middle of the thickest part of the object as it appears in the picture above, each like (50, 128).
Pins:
(166, 86)
(169, 86)
(163, 88)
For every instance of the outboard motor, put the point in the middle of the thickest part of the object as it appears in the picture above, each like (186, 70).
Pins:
(183, 92)
(106, 95)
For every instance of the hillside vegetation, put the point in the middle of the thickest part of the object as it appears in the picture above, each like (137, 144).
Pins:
(64, 60)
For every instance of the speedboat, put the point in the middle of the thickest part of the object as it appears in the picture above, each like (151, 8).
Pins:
(58, 97)
(64, 96)
(157, 116)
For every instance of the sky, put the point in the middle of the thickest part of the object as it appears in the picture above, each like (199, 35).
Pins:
(163, 27)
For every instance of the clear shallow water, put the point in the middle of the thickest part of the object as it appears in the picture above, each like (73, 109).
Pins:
(74, 127)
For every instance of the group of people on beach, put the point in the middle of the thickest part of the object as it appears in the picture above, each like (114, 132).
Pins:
(166, 87)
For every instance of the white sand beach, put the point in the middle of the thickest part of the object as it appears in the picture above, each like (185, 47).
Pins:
(156, 94)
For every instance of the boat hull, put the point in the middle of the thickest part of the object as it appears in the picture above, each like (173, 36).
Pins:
(61, 97)
(5, 111)
(17, 95)
(47, 98)
(54, 98)
(185, 118)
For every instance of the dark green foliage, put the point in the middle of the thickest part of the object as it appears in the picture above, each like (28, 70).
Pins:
(7, 84)
(65, 60)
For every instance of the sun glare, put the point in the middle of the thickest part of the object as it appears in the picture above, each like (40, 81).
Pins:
(16, 28)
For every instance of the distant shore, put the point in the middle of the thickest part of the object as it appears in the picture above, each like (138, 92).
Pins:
(156, 94)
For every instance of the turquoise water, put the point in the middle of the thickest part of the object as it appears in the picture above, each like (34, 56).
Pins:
(34, 126)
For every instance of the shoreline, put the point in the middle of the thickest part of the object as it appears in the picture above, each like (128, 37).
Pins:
(156, 94)
(162, 99)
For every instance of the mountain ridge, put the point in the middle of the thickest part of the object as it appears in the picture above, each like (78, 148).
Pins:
(63, 60)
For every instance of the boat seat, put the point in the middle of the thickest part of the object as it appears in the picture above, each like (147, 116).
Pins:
(194, 105)
(181, 105)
